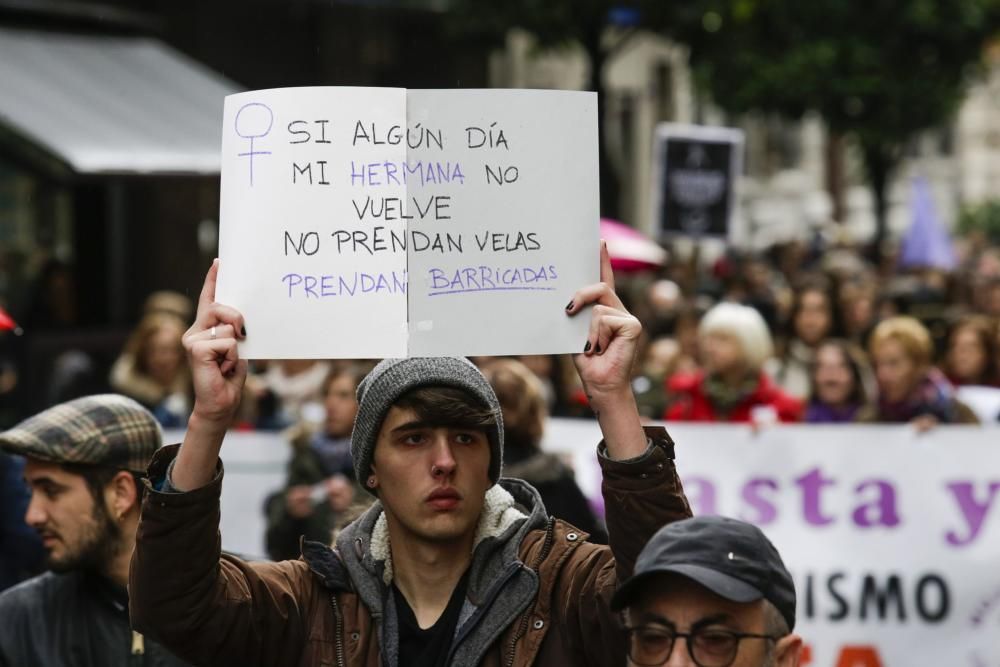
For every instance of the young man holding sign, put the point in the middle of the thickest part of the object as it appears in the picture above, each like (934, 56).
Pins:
(451, 566)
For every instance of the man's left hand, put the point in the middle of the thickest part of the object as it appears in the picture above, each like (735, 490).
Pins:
(605, 366)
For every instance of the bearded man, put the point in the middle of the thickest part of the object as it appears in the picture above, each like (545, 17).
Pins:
(82, 462)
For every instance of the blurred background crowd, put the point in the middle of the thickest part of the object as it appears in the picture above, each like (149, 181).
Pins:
(802, 332)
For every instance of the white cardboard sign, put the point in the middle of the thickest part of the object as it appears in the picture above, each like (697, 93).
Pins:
(381, 222)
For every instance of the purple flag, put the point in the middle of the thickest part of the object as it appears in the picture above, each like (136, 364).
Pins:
(926, 243)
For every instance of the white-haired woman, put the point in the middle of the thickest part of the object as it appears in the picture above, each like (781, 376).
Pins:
(734, 342)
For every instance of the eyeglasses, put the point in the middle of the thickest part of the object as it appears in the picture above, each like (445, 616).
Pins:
(651, 645)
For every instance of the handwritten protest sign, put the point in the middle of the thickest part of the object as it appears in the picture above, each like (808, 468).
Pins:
(375, 222)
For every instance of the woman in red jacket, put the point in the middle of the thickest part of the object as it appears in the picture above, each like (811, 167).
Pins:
(734, 342)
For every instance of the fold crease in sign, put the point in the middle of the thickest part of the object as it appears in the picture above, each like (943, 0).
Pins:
(695, 170)
(377, 222)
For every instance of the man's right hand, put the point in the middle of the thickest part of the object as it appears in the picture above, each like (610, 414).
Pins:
(216, 369)
(218, 375)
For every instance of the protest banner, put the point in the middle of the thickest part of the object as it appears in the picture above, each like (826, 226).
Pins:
(382, 222)
(892, 537)
(695, 170)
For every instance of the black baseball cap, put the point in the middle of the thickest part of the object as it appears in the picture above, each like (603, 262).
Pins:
(731, 558)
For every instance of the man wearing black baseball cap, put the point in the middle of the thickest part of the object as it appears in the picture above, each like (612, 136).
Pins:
(711, 592)
(82, 462)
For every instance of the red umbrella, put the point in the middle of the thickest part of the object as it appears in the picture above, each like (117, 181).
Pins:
(7, 322)
(631, 250)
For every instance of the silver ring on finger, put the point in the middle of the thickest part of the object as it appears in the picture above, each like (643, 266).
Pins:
(213, 333)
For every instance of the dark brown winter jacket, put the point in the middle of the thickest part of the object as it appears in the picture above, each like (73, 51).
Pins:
(538, 592)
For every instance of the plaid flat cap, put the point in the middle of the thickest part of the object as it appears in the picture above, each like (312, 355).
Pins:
(106, 430)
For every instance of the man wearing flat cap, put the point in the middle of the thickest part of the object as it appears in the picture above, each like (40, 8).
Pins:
(82, 462)
(709, 592)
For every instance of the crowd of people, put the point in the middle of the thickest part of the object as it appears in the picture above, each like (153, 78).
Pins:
(798, 334)
(818, 334)
(803, 334)
(447, 562)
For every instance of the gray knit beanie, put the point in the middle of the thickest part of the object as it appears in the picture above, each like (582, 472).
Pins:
(392, 378)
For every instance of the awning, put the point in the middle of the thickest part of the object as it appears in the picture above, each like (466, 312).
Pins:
(111, 104)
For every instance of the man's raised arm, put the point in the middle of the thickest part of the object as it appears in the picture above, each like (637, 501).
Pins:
(605, 366)
(205, 607)
(218, 375)
(642, 491)
(641, 488)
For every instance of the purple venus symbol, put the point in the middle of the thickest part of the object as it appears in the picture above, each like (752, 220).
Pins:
(254, 124)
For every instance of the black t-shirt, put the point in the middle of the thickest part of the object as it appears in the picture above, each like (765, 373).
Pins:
(428, 648)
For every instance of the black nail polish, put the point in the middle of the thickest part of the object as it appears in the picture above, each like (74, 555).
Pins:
(569, 306)
(597, 349)
(586, 348)
(243, 331)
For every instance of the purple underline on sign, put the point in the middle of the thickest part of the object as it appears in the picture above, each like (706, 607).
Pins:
(495, 289)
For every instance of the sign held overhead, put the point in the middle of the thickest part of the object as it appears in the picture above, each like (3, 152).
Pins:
(377, 222)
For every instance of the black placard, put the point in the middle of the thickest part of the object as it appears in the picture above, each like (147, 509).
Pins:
(695, 185)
